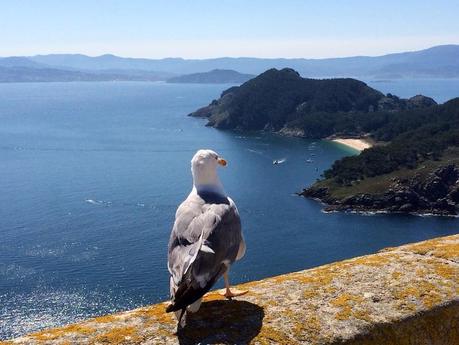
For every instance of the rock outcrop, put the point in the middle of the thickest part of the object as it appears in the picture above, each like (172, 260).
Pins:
(438, 193)
(393, 103)
(407, 295)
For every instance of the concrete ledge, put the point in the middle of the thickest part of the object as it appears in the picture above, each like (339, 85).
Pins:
(404, 295)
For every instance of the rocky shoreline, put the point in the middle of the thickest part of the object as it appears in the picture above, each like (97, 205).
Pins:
(436, 194)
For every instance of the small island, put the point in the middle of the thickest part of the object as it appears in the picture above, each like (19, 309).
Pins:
(411, 165)
(216, 76)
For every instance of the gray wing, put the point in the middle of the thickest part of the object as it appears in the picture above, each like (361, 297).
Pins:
(205, 239)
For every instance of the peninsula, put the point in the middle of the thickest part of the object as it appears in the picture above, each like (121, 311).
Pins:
(413, 168)
(216, 76)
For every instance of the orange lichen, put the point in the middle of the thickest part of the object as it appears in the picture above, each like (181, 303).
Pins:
(120, 335)
(446, 270)
(442, 248)
(213, 296)
(345, 299)
(392, 288)
(377, 260)
(55, 333)
(270, 335)
(105, 319)
(156, 313)
(345, 302)
(309, 293)
(396, 275)
(425, 292)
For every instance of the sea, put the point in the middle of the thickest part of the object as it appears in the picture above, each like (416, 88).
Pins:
(91, 174)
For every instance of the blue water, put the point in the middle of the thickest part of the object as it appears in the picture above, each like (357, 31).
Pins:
(91, 175)
(441, 90)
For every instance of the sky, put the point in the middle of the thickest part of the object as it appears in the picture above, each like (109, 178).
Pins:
(215, 28)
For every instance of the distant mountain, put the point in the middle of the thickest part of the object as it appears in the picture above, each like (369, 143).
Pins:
(216, 76)
(281, 100)
(435, 62)
(32, 74)
(19, 61)
(439, 61)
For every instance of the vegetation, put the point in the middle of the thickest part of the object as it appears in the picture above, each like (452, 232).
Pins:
(410, 134)
(276, 98)
(281, 100)
(416, 136)
(379, 184)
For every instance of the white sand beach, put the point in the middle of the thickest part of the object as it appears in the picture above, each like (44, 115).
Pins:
(357, 144)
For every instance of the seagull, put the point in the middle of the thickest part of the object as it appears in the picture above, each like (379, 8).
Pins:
(205, 240)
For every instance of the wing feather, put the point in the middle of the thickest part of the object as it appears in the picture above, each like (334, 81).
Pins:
(206, 238)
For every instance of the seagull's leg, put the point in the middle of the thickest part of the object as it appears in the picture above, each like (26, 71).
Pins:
(228, 292)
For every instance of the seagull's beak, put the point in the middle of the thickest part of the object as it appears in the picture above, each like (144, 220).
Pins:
(222, 162)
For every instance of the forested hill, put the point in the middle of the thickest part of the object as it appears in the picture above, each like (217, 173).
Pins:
(415, 136)
(281, 100)
(417, 171)
(413, 168)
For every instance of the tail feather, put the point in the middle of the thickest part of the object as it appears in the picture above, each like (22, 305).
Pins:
(188, 293)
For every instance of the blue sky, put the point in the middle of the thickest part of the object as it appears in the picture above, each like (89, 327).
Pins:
(212, 28)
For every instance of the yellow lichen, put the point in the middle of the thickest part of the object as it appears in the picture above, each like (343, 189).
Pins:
(304, 307)
(423, 291)
(270, 335)
(446, 270)
(55, 333)
(442, 248)
(396, 275)
(105, 319)
(156, 312)
(309, 293)
(345, 302)
(344, 299)
(120, 335)
(374, 260)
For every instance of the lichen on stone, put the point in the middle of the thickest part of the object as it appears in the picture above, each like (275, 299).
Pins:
(392, 297)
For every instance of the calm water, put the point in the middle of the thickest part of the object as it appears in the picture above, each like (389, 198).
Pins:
(441, 90)
(90, 177)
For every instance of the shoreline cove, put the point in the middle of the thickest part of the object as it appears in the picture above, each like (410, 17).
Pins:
(356, 144)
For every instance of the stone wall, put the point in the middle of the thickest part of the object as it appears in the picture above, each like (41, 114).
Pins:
(404, 295)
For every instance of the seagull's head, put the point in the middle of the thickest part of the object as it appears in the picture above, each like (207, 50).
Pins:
(204, 168)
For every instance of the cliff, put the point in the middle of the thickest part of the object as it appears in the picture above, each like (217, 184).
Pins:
(403, 295)
(430, 189)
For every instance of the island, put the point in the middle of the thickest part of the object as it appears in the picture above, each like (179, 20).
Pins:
(216, 76)
(282, 101)
(411, 166)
